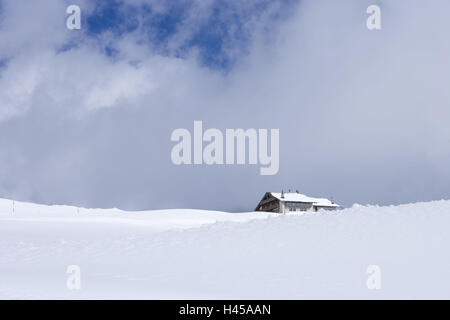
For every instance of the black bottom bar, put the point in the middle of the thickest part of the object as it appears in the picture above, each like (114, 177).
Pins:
(225, 309)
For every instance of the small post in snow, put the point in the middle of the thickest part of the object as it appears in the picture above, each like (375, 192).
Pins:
(13, 206)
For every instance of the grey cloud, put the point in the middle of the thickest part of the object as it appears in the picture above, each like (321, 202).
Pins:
(363, 115)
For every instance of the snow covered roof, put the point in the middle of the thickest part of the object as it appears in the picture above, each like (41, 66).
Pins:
(298, 197)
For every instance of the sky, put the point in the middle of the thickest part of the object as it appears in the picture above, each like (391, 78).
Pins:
(86, 115)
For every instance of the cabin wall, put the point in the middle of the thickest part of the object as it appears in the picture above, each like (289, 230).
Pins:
(270, 206)
(317, 208)
(297, 207)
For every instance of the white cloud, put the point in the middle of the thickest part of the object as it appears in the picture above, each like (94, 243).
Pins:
(354, 107)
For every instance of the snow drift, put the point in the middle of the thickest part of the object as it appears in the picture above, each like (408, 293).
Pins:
(194, 254)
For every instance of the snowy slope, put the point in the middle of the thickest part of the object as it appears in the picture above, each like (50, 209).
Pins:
(208, 254)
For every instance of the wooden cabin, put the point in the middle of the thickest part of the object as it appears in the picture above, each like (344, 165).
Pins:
(293, 202)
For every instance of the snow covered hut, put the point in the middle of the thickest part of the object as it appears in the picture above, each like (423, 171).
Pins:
(293, 201)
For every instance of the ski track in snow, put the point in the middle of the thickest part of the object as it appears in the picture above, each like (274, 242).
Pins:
(196, 254)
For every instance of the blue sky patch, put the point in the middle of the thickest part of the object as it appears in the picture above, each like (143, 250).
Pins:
(220, 38)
